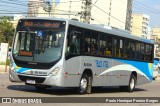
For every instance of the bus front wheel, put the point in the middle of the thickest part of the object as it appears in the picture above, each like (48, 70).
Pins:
(85, 84)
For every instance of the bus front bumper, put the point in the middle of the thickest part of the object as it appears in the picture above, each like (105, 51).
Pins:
(13, 77)
(39, 80)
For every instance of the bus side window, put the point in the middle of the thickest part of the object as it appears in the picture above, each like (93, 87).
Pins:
(73, 44)
(93, 48)
(117, 48)
(102, 49)
(142, 51)
(86, 47)
(105, 45)
(108, 51)
(133, 46)
(151, 53)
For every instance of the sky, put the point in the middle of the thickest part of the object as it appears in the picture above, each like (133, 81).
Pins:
(148, 7)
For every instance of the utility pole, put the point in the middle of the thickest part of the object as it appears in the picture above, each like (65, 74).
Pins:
(47, 7)
(86, 13)
(110, 8)
(129, 15)
(70, 2)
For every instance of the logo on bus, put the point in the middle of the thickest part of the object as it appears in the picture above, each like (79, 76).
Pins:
(102, 64)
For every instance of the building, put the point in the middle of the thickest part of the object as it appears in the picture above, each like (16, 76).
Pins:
(149, 33)
(68, 9)
(36, 8)
(16, 18)
(156, 31)
(140, 25)
(115, 13)
(33, 7)
(156, 37)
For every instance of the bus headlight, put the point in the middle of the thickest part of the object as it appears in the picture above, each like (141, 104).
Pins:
(55, 71)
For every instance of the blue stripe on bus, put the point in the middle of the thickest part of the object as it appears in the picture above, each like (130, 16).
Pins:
(21, 70)
(142, 66)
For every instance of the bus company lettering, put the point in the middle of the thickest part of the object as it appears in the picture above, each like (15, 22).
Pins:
(102, 64)
(88, 64)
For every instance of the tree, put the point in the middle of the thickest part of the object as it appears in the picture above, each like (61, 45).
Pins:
(6, 31)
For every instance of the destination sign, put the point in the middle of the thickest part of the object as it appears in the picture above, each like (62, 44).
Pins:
(25, 53)
(41, 23)
(45, 24)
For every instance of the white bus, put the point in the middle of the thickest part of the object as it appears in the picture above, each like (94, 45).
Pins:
(66, 53)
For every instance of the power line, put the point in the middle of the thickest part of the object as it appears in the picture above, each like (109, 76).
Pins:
(14, 3)
(97, 20)
(11, 12)
(37, 13)
(11, 7)
(18, 0)
(147, 7)
(108, 14)
(67, 1)
(116, 18)
(93, 4)
(141, 8)
(66, 11)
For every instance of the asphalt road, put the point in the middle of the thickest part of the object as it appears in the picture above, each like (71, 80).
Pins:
(10, 89)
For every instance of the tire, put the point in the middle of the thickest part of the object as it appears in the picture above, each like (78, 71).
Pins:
(40, 88)
(131, 85)
(85, 84)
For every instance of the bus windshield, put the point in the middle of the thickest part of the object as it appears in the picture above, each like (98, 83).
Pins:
(38, 44)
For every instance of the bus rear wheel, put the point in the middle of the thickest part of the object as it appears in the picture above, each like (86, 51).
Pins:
(131, 85)
(85, 84)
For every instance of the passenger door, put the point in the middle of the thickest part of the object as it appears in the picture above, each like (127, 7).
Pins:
(72, 56)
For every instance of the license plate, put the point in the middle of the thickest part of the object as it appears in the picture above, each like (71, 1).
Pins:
(31, 81)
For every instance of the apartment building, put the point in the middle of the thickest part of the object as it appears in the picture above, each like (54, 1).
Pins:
(34, 7)
(156, 34)
(140, 25)
(156, 38)
(115, 13)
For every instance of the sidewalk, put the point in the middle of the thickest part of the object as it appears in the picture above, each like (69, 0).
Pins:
(2, 68)
(158, 78)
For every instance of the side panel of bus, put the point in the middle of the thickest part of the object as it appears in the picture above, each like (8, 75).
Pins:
(72, 72)
(107, 70)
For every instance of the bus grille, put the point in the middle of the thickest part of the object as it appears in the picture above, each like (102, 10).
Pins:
(26, 65)
(37, 79)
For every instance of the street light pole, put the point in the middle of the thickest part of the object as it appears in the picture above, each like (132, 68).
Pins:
(47, 7)
(86, 13)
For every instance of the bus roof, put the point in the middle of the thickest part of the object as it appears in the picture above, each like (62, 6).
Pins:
(100, 28)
